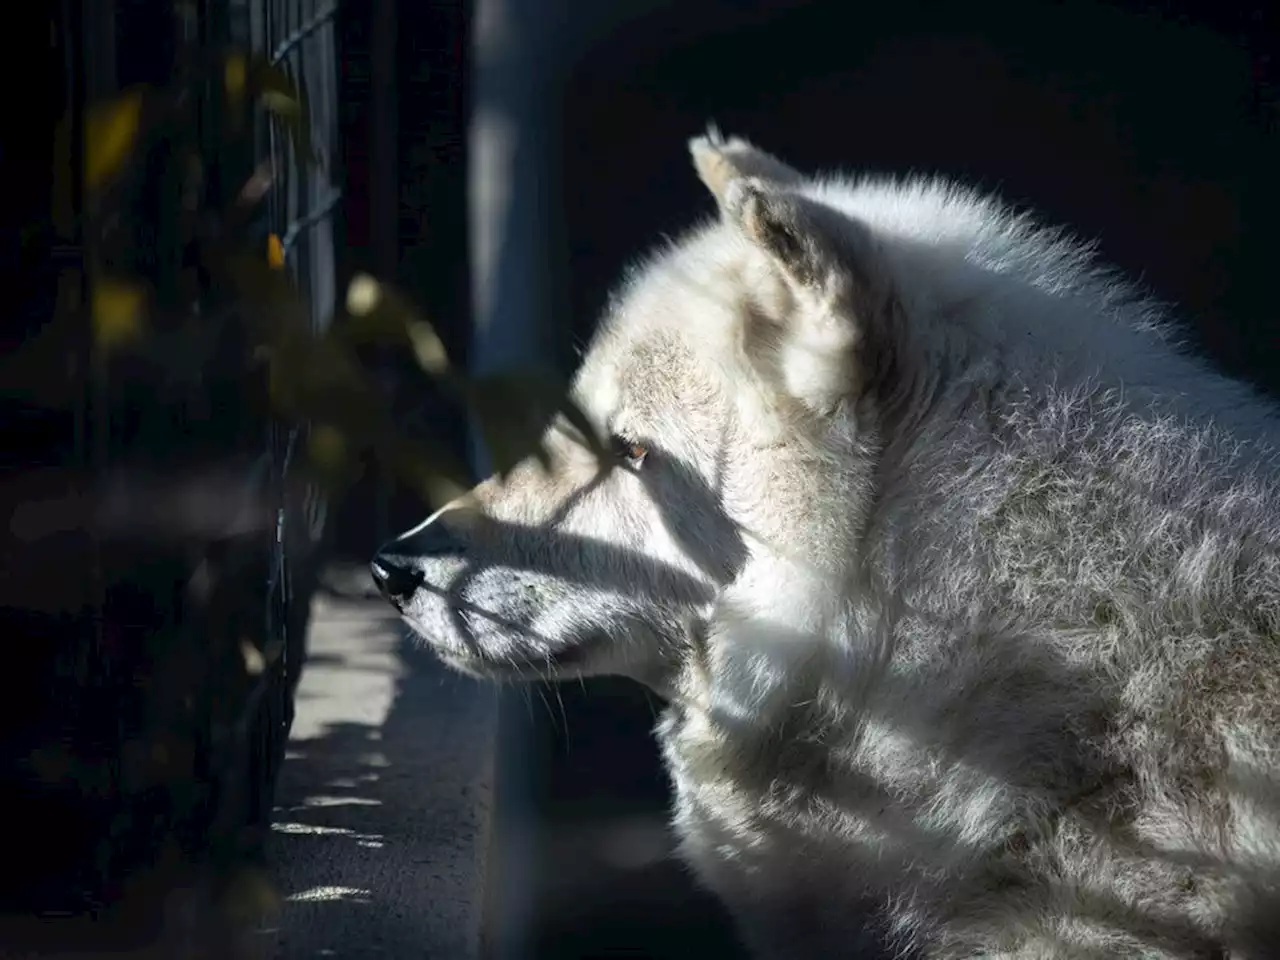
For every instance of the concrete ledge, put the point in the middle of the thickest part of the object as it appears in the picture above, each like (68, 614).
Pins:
(382, 825)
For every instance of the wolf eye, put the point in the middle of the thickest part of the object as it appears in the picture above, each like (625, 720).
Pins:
(632, 451)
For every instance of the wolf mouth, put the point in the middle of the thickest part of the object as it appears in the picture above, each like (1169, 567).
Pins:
(524, 664)
(457, 634)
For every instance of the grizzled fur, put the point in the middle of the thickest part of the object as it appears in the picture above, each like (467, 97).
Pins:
(959, 577)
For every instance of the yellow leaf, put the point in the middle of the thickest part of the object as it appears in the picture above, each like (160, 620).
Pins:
(428, 348)
(275, 252)
(235, 75)
(256, 187)
(254, 661)
(111, 129)
(286, 100)
(378, 312)
(363, 295)
(327, 446)
(281, 103)
(235, 81)
(117, 311)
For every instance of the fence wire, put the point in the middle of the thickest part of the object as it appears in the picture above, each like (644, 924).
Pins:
(135, 623)
(299, 36)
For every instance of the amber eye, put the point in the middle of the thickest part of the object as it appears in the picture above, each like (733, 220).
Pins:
(631, 451)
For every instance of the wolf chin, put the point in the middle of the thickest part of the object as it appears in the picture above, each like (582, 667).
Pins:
(957, 575)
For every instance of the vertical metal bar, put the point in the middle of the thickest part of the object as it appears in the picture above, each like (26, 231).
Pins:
(73, 295)
(384, 190)
(509, 151)
(506, 183)
(384, 139)
(98, 48)
(99, 30)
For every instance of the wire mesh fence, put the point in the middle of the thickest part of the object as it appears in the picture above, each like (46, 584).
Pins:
(167, 526)
(299, 36)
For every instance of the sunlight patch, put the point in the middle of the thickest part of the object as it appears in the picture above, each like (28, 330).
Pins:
(317, 830)
(328, 801)
(329, 894)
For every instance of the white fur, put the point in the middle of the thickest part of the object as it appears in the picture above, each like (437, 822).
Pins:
(959, 577)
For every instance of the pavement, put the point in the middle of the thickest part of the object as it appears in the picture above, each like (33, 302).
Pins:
(386, 819)
(382, 824)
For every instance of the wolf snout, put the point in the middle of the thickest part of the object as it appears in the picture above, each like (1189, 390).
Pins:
(395, 567)
(395, 578)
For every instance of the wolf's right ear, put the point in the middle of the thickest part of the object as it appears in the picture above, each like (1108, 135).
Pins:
(842, 295)
(720, 162)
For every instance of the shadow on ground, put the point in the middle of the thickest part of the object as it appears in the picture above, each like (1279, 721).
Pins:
(383, 809)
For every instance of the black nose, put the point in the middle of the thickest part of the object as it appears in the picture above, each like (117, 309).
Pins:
(393, 568)
(396, 577)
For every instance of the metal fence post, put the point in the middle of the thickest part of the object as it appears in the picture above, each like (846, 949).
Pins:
(384, 190)
(509, 160)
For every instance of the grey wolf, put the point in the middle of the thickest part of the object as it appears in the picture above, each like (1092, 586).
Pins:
(957, 573)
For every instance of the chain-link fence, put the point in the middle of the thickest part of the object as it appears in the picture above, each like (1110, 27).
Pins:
(300, 37)
(170, 531)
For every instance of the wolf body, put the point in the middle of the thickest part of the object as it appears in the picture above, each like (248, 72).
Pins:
(957, 573)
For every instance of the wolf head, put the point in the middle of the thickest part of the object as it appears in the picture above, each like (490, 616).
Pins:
(729, 374)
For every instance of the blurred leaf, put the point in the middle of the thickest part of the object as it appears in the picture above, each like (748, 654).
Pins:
(428, 348)
(317, 378)
(118, 307)
(364, 293)
(281, 104)
(377, 313)
(277, 92)
(514, 410)
(275, 252)
(256, 187)
(235, 76)
(235, 73)
(333, 461)
(331, 458)
(327, 446)
(110, 133)
(254, 661)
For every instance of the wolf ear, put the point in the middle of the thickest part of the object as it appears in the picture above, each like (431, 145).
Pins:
(721, 161)
(841, 294)
(816, 248)
(754, 191)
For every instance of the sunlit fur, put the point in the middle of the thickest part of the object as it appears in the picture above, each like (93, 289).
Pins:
(959, 577)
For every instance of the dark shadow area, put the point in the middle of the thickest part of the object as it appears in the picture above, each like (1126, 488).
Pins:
(609, 885)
